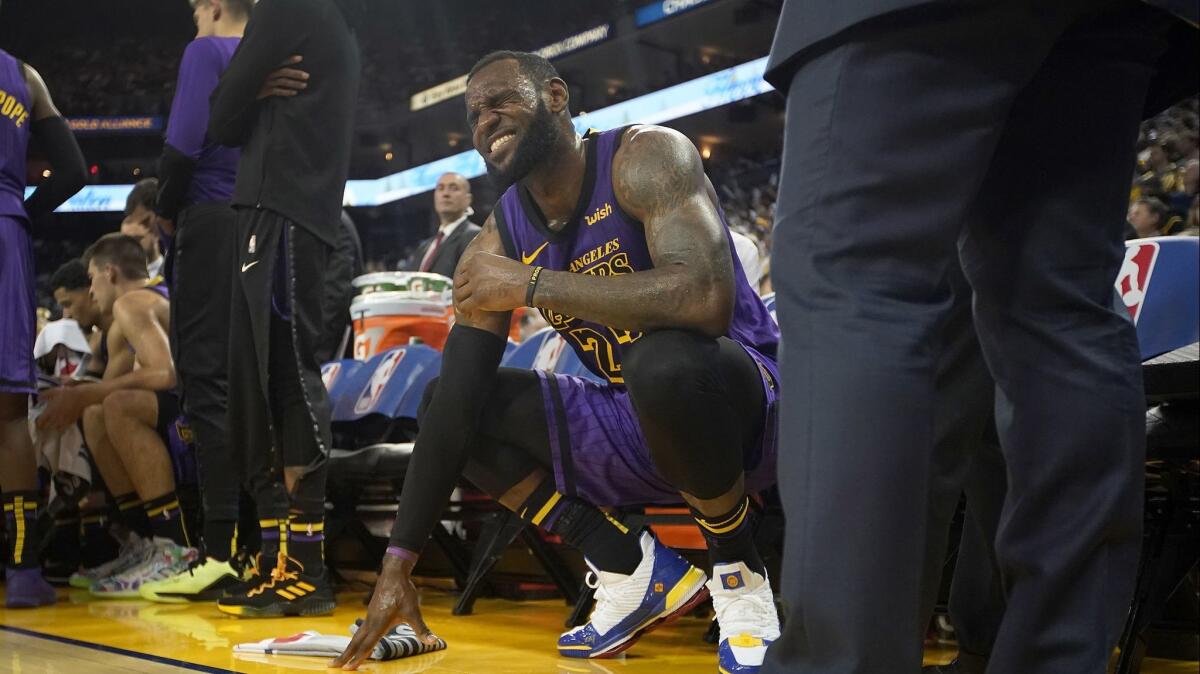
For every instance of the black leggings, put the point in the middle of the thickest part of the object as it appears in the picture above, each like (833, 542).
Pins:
(699, 400)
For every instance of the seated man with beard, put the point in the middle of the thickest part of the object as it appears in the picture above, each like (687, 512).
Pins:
(617, 239)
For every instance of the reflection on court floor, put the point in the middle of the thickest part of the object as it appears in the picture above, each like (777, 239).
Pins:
(83, 636)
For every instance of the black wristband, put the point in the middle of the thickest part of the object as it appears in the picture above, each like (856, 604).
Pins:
(532, 287)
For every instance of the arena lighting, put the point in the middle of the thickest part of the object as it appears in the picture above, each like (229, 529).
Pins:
(688, 98)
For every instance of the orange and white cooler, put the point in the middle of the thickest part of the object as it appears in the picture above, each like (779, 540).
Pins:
(398, 308)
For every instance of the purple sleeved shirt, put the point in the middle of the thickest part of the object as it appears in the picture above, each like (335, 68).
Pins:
(216, 165)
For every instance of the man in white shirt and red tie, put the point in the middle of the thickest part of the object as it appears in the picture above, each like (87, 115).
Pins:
(439, 254)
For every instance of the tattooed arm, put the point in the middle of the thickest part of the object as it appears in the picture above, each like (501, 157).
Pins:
(658, 178)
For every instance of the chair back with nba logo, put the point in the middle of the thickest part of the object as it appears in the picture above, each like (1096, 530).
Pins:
(1159, 282)
(377, 400)
(343, 380)
(526, 353)
(546, 350)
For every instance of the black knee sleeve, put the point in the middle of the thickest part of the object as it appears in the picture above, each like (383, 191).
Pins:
(693, 407)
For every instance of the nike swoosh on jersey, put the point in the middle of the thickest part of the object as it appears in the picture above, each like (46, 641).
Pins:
(250, 264)
(528, 259)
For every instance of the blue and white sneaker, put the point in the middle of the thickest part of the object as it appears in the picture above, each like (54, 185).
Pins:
(663, 587)
(746, 613)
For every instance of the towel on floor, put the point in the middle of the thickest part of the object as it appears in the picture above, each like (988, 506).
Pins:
(400, 642)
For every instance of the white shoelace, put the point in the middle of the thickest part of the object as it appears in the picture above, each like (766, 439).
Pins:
(747, 613)
(602, 617)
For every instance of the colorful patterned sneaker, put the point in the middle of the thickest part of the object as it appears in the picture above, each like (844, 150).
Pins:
(663, 587)
(25, 588)
(746, 613)
(205, 580)
(168, 559)
(134, 551)
(287, 591)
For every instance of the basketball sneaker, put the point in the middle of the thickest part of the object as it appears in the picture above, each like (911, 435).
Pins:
(205, 580)
(134, 551)
(25, 588)
(167, 560)
(663, 587)
(286, 591)
(253, 574)
(745, 608)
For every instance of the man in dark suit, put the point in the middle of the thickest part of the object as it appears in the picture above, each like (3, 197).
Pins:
(439, 253)
(911, 131)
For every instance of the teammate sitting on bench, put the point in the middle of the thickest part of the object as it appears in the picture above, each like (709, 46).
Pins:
(129, 416)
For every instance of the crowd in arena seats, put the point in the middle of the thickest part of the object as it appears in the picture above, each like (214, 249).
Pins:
(1164, 194)
(112, 76)
(136, 76)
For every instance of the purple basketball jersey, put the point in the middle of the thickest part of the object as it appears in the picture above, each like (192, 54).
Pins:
(603, 240)
(15, 103)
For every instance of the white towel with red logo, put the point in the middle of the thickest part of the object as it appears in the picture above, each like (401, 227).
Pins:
(400, 642)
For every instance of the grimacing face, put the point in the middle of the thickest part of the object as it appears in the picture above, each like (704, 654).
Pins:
(78, 305)
(104, 288)
(511, 126)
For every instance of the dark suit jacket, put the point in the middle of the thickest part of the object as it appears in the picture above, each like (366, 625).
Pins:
(803, 23)
(446, 258)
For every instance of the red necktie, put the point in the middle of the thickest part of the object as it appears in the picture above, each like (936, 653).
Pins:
(437, 242)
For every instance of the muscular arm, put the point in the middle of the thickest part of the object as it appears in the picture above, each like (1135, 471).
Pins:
(274, 33)
(659, 179)
(496, 322)
(68, 173)
(135, 330)
(472, 354)
(199, 71)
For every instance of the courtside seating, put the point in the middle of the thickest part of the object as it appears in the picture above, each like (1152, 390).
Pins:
(1160, 286)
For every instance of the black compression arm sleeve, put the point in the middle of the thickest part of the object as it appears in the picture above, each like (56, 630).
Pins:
(68, 173)
(469, 365)
(174, 178)
(275, 31)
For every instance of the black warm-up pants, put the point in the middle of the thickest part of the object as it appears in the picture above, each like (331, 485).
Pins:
(699, 401)
(278, 408)
(204, 245)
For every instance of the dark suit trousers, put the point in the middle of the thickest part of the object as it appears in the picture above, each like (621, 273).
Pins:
(962, 410)
(1013, 126)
